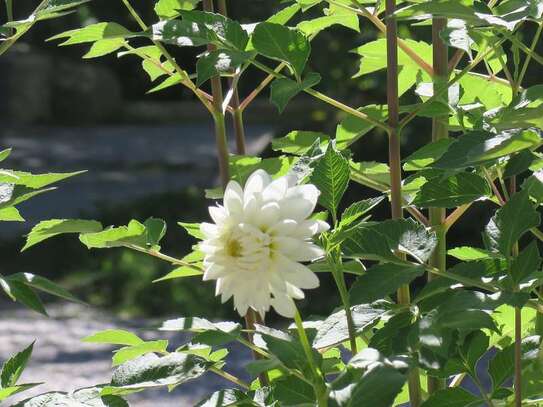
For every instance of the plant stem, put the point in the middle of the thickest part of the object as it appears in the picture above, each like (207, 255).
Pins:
(318, 381)
(165, 257)
(440, 130)
(518, 357)
(339, 278)
(230, 377)
(528, 59)
(237, 112)
(404, 296)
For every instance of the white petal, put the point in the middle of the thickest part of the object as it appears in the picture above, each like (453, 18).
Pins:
(308, 192)
(269, 215)
(285, 227)
(209, 230)
(218, 214)
(284, 306)
(296, 273)
(276, 190)
(214, 272)
(233, 197)
(256, 183)
(295, 208)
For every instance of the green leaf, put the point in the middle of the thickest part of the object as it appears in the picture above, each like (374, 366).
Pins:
(470, 319)
(26, 296)
(214, 334)
(525, 111)
(146, 235)
(14, 366)
(128, 353)
(180, 272)
(331, 177)
(466, 253)
(4, 154)
(150, 371)
(10, 214)
(382, 280)
(427, 155)
(352, 128)
(476, 148)
(114, 337)
(286, 348)
(283, 16)
(510, 222)
(451, 192)
(315, 26)
(284, 89)
(519, 163)
(219, 62)
(452, 397)
(183, 33)
(10, 391)
(104, 47)
(86, 397)
(92, 33)
(223, 398)
(42, 284)
(377, 388)
(193, 229)
(229, 33)
(292, 391)
(371, 173)
(36, 181)
(374, 58)
(166, 9)
(334, 330)
(358, 209)
(284, 44)
(11, 195)
(299, 142)
(54, 227)
(170, 81)
(527, 263)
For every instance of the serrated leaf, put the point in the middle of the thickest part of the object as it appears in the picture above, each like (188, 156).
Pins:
(10, 214)
(220, 62)
(452, 397)
(5, 154)
(334, 330)
(54, 227)
(14, 367)
(451, 192)
(151, 371)
(92, 33)
(36, 181)
(281, 43)
(284, 89)
(381, 280)
(10, 391)
(331, 177)
(128, 353)
(27, 296)
(224, 398)
(104, 47)
(114, 337)
(299, 142)
(466, 253)
(292, 391)
(352, 128)
(42, 284)
(526, 263)
(88, 397)
(427, 155)
(358, 209)
(480, 147)
(166, 9)
(511, 221)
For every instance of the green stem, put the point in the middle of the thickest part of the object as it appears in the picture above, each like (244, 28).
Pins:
(319, 385)
(528, 58)
(440, 131)
(339, 278)
(404, 296)
(9, 13)
(518, 357)
(230, 378)
(165, 257)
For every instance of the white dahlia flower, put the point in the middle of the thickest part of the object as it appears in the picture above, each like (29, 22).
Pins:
(260, 236)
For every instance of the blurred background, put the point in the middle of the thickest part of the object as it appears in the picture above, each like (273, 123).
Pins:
(153, 154)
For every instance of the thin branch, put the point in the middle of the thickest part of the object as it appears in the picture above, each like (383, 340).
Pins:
(262, 86)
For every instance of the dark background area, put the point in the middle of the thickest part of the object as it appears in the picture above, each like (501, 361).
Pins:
(45, 86)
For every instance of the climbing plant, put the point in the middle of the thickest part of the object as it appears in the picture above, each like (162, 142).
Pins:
(390, 341)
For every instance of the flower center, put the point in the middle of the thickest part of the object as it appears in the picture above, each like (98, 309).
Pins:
(233, 247)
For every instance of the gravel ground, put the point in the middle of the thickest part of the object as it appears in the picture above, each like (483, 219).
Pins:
(64, 363)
